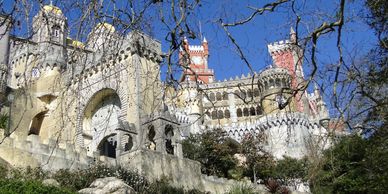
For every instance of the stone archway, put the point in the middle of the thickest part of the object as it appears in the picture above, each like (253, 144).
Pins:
(100, 118)
(36, 123)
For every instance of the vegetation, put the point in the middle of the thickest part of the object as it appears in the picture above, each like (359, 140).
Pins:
(11, 186)
(214, 150)
(29, 180)
(242, 189)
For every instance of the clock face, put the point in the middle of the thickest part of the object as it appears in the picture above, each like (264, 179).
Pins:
(197, 60)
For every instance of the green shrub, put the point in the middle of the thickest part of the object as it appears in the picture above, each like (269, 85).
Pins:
(242, 189)
(11, 186)
(163, 186)
(28, 173)
(83, 178)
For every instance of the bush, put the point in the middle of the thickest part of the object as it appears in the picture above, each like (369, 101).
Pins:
(8, 186)
(83, 178)
(242, 189)
(162, 186)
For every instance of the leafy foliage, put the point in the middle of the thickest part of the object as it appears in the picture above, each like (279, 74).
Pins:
(259, 163)
(354, 165)
(242, 189)
(214, 151)
(30, 180)
(11, 186)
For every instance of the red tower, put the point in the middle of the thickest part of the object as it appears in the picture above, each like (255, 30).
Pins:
(194, 59)
(288, 55)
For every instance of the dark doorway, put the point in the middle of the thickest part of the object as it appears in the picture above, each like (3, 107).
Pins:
(169, 133)
(108, 146)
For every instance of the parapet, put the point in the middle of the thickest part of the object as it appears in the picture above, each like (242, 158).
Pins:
(280, 46)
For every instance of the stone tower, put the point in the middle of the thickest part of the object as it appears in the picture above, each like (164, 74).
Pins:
(194, 59)
(50, 32)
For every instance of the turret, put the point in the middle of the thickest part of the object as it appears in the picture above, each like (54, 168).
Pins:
(102, 38)
(274, 86)
(194, 59)
(50, 32)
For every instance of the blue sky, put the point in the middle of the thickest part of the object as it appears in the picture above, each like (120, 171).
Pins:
(253, 37)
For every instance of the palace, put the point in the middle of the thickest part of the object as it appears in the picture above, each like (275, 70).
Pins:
(72, 104)
(258, 103)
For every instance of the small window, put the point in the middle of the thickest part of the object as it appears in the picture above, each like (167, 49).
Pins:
(225, 96)
(239, 112)
(246, 112)
(227, 114)
(219, 96)
(220, 114)
(252, 111)
(214, 114)
(212, 97)
(35, 72)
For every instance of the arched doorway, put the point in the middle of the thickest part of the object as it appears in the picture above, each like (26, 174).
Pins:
(169, 134)
(108, 145)
(151, 138)
(36, 123)
(101, 118)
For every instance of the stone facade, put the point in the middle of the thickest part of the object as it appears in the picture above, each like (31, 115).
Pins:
(75, 103)
(266, 102)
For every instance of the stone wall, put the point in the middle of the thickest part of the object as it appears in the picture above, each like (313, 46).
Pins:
(51, 156)
(181, 172)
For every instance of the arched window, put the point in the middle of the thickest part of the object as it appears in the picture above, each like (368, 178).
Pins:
(252, 111)
(218, 96)
(128, 142)
(212, 97)
(214, 114)
(239, 112)
(256, 92)
(237, 94)
(220, 114)
(277, 82)
(243, 94)
(249, 93)
(36, 124)
(151, 138)
(246, 112)
(227, 114)
(55, 33)
(259, 110)
(169, 134)
(225, 96)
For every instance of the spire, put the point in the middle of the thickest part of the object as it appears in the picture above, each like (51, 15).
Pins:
(292, 35)
(204, 39)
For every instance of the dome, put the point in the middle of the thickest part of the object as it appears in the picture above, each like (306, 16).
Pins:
(52, 9)
(106, 26)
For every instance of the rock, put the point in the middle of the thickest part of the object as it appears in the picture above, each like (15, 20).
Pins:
(107, 185)
(50, 182)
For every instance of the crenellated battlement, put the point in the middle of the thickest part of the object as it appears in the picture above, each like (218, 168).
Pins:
(196, 48)
(280, 46)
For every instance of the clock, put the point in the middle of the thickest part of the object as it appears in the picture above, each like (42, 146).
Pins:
(197, 60)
